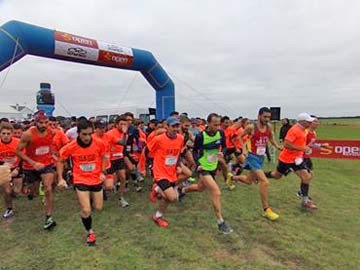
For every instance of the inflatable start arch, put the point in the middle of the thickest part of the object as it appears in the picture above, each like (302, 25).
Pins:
(18, 39)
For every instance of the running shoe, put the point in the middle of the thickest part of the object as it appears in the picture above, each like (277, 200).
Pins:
(49, 223)
(123, 203)
(224, 228)
(91, 239)
(8, 213)
(140, 178)
(229, 183)
(309, 205)
(270, 214)
(163, 223)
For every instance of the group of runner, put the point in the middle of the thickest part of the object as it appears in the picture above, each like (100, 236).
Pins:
(180, 155)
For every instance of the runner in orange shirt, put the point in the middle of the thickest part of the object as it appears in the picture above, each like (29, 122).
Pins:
(166, 149)
(146, 160)
(8, 145)
(18, 131)
(89, 165)
(117, 138)
(38, 162)
(60, 139)
(291, 158)
(100, 134)
(311, 142)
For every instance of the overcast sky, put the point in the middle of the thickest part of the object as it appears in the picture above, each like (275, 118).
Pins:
(231, 57)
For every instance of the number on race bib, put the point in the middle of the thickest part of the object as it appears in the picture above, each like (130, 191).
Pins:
(298, 161)
(212, 158)
(261, 150)
(10, 160)
(43, 150)
(170, 161)
(87, 167)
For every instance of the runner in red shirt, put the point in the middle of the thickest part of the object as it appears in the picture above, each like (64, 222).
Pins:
(166, 149)
(8, 144)
(89, 161)
(38, 162)
(260, 134)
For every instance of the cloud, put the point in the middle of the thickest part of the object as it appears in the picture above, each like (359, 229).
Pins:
(229, 56)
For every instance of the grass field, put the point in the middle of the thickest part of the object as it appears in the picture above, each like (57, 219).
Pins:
(127, 238)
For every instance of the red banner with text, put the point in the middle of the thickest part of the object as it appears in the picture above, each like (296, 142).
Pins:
(342, 149)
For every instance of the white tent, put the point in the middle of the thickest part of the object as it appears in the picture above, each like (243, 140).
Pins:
(8, 112)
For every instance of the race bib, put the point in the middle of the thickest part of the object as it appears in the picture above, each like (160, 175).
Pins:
(118, 155)
(89, 167)
(43, 150)
(298, 161)
(10, 160)
(212, 158)
(170, 161)
(260, 150)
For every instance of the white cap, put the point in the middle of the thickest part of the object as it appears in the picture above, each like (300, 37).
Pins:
(305, 117)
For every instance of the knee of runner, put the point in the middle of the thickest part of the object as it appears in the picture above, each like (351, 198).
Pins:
(216, 192)
(307, 177)
(86, 212)
(48, 188)
(187, 173)
(97, 207)
(17, 191)
(108, 187)
(172, 198)
(264, 181)
(201, 188)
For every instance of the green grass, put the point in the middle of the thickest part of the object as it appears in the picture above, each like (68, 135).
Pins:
(127, 238)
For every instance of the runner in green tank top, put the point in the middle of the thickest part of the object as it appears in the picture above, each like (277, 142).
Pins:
(207, 151)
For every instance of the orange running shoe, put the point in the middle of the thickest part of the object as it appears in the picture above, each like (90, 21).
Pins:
(163, 223)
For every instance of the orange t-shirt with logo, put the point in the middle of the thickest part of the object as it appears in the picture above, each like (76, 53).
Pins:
(166, 152)
(116, 150)
(297, 136)
(8, 153)
(230, 134)
(104, 139)
(87, 161)
(60, 139)
(237, 133)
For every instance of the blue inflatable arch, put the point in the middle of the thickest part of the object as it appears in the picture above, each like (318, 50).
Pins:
(18, 39)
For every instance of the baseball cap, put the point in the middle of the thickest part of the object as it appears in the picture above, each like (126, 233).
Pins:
(172, 121)
(305, 117)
